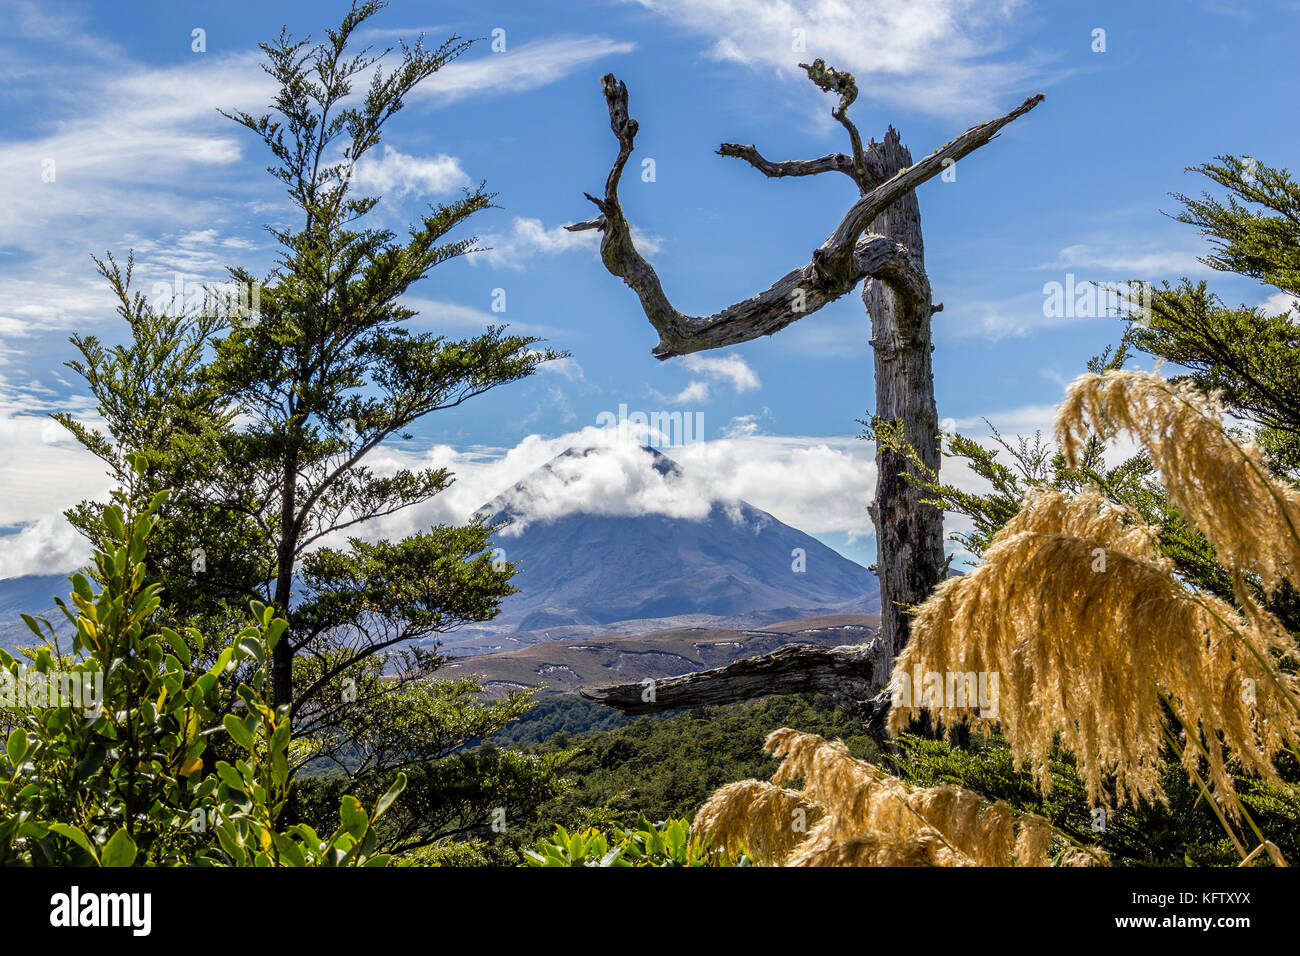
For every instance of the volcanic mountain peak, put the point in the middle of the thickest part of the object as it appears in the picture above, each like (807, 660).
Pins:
(611, 534)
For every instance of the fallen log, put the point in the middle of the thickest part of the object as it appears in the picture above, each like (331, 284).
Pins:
(843, 673)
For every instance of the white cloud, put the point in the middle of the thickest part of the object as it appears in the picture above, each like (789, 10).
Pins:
(938, 56)
(744, 426)
(1014, 421)
(126, 142)
(693, 392)
(730, 367)
(1124, 261)
(1280, 302)
(48, 545)
(52, 472)
(397, 175)
(566, 367)
(819, 485)
(520, 68)
(456, 318)
(529, 237)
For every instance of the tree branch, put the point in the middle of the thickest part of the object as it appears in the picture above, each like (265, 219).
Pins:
(843, 260)
(843, 673)
(830, 163)
(833, 81)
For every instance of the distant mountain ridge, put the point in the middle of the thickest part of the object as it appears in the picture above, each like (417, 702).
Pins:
(31, 594)
(583, 574)
(594, 569)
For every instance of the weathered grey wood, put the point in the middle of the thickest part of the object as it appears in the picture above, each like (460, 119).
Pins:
(843, 260)
(831, 162)
(878, 240)
(844, 673)
(909, 532)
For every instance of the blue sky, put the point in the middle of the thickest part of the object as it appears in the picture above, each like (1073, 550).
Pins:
(114, 100)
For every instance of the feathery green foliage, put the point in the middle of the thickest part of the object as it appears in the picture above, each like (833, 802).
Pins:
(261, 418)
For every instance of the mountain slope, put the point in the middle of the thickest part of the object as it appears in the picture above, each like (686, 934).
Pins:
(564, 666)
(30, 594)
(585, 568)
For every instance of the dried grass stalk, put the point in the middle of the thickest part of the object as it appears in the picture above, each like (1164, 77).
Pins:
(926, 847)
(1220, 486)
(755, 817)
(865, 817)
(1092, 654)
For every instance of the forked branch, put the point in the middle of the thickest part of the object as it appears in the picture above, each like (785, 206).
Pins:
(848, 256)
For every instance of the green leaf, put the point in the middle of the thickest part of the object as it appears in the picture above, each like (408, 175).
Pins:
(119, 851)
(273, 632)
(91, 763)
(33, 626)
(113, 521)
(387, 799)
(230, 777)
(239, 731)
(81, 586)
(76, 836)
(17, 746)
(353, 818)
(177, 645)
(290, 853)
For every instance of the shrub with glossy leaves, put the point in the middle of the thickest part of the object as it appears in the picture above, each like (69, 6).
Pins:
(645, 844)
(116, 776)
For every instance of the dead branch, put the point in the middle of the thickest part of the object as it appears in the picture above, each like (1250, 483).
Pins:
(844, 259)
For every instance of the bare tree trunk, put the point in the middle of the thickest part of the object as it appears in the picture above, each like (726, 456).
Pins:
(909, 534)
(877, 240)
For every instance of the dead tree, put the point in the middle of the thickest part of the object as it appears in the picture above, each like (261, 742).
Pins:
(879, 241)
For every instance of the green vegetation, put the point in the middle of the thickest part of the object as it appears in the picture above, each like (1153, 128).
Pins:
(666, 766)
(255, 688)
(106, 766)
(259, 419)
(645, 844)
(555, 714)
(1185, 831)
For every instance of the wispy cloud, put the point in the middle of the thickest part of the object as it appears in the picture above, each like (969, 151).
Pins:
(944, 57)
(530, 65)
(528, 238)
(730, 369)
(727, 368)
(1123, 259)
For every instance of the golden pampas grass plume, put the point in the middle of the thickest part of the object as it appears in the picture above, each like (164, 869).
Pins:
(755, 817)
(859, 815)
(925, 847)
(1218, 484)
(1092, 636)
